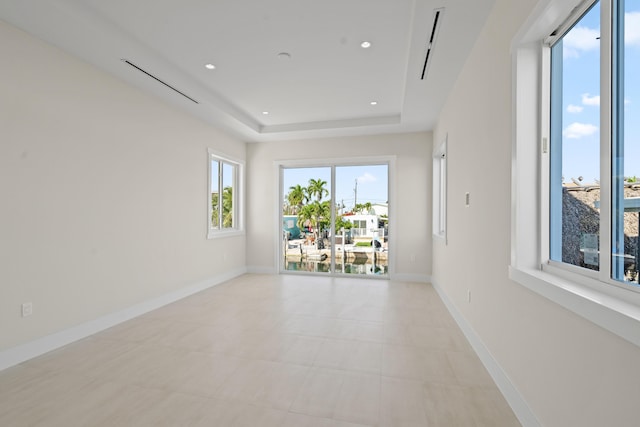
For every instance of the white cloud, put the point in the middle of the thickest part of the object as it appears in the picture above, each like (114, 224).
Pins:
(591, 100)
(579, 130)
(632, 28)
(583, 39)
(574, 108)
(580, 39)
(367, 177)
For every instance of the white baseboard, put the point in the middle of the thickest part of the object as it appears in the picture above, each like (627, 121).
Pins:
(24, 352)
(519, 406)
(262, 270)
(402, 277)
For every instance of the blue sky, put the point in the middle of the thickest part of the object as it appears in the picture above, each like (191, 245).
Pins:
(372, 182)
(581, 96)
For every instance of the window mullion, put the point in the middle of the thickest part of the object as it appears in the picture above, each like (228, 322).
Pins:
(332, 225)
(605, 139)
(556, 124)
(236, 195)
(545, 157)
(220, 194)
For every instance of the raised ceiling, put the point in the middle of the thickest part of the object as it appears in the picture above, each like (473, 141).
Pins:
(283, 68)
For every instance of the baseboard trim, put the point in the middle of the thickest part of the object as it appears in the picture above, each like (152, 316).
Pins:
(402, 277)
(519, 406)
(261, 270)
(27, 351)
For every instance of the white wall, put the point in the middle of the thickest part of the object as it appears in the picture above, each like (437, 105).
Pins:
(412, 194)
(570, 371)
(103, 192)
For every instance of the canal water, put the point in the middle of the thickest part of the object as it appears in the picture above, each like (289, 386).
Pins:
(379, 269)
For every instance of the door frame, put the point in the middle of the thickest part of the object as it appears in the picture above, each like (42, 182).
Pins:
(390, 161)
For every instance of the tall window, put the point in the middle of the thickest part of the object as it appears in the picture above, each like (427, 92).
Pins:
(574, 148)
(594, 133)
(224, 188)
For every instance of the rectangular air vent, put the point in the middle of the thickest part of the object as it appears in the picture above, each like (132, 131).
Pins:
(158, 80)
(437, 19)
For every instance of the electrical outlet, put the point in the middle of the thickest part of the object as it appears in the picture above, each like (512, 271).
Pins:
(27, 309)
(467, 199)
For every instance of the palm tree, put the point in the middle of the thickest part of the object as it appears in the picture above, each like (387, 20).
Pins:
(306, 215)
(324, 215)
(296, 197)
(317, 188)
(317, 215)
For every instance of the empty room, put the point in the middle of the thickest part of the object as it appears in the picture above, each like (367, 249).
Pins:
(331, 214)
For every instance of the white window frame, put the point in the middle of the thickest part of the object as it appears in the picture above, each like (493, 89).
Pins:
(439, 225)
(238, 195)
(584, 292)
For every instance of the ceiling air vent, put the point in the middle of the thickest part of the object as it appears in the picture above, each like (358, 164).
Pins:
(158, 80)
(437, 18)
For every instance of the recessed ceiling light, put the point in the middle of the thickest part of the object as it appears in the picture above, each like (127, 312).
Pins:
(365, 45)
(210, 66)
(374, 103)
(266, 113)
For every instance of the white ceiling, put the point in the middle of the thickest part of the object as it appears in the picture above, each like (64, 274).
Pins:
(326, 86)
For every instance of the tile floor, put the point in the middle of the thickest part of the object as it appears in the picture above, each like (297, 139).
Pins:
(262, 351)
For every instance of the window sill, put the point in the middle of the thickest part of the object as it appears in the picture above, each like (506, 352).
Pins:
(608, 311)
(219, 234)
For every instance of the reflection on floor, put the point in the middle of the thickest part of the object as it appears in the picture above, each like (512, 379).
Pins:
(267, 350)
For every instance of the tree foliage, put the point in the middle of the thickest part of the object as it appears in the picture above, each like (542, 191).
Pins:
(312, 211)
(342, 223)
(296, 198)
(227, 208)
(362, 208)
(317, 188)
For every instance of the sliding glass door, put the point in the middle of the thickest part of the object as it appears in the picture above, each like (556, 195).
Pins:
(335, 219)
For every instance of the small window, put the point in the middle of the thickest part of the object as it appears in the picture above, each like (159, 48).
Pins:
(440, 191)
(224, 195)
(360, 223)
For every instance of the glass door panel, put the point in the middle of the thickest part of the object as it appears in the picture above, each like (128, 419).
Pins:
(362, 220)
(306, 219)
